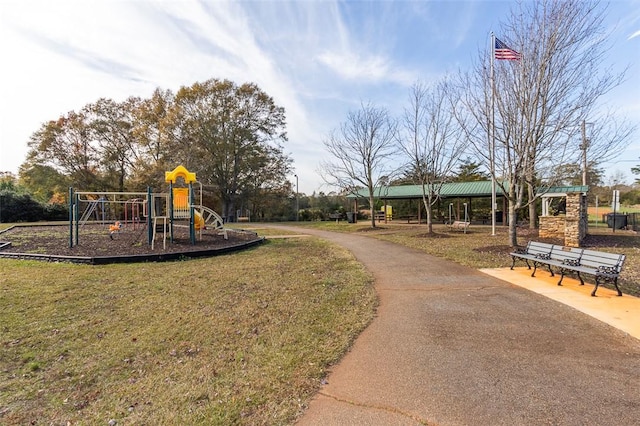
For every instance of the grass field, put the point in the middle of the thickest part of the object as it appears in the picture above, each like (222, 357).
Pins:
(238, 339)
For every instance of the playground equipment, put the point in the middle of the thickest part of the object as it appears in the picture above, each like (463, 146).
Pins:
(157, 211)
(115, 228)
(128, 208)
(97, 208)
(183, 205)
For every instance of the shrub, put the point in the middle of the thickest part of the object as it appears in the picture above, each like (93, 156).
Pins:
(16, 207)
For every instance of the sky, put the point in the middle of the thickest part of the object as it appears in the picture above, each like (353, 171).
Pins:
(319, 59)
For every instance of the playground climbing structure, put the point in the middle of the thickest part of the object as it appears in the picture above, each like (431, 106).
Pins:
(155, 212)
(184, 206)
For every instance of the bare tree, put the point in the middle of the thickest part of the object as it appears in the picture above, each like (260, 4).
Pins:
(431, 139)
(542, 99)
(361, 149)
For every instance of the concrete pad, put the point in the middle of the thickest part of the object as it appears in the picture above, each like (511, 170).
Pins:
(607, 306)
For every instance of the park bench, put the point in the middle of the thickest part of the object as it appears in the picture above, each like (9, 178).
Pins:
(336, 216)
(458, 225)
(603, 266)
(532, 252)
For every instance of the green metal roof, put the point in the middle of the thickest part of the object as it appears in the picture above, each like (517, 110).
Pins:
(562, 189)
(455, 189)
(448, 190)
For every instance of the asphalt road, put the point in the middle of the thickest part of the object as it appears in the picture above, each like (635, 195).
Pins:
(453, 346)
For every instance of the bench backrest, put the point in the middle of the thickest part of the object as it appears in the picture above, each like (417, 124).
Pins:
(562, 253)
(595, 258)
(534, 248)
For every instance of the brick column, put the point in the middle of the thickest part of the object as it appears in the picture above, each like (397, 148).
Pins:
(576, 220)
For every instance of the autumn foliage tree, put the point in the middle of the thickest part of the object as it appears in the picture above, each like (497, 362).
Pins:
(66, 146)
(231, 135)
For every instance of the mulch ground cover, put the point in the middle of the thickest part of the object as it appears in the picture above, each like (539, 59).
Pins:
(95, 240)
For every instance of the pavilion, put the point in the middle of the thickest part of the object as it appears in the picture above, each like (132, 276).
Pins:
(462, 192)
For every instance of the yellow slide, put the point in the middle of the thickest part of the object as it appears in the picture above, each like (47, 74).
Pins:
(198, 221)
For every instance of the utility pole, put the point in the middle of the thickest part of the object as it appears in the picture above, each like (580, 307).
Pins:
(584, 146)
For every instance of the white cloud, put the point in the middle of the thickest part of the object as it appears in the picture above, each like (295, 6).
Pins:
(371, 69)
(318, 59)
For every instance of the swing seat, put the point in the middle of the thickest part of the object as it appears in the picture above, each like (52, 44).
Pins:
(114, 229)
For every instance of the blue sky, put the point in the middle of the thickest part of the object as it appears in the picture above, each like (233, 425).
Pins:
(318, 59)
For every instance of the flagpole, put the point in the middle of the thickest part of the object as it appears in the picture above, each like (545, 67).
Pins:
(492, 142)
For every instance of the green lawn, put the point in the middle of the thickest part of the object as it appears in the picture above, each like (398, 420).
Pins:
(238, 339)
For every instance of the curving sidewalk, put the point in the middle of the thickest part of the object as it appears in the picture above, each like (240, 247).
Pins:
(455, 346)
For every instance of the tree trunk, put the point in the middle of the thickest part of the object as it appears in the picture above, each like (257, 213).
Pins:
(373, 210)
(533, 214)
(513, 224)
(429, 213)
(513, 217)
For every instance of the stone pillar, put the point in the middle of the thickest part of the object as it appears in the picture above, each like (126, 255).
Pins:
(571, 226)
(575, 220)
(551, 226)
(584, 217)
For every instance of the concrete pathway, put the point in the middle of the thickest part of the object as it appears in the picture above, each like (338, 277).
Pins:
(455, 346)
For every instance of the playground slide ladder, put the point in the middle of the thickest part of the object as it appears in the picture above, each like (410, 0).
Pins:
(91, 209)
(212, 220)
(88, 212)
(162, 219)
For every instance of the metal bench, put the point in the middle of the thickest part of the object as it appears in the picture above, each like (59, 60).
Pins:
(560, 257)
(458, 225)
(603, 266)
(534, 251)
(336, 216)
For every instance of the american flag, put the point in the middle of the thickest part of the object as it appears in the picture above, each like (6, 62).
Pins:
(502, 51)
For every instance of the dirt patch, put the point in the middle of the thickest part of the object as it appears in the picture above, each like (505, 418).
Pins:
(95, 240)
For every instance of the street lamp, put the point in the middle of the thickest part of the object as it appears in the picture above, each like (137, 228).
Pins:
(297, 201)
